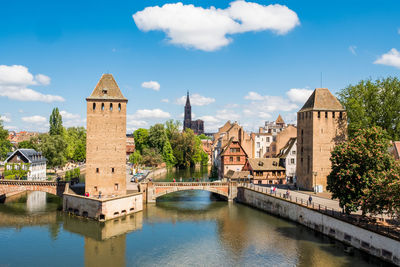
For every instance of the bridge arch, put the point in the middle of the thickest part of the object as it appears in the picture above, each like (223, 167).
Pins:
(179, 189)
(11, 187)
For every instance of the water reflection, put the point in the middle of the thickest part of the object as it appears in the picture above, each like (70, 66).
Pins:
(36, 201)
(186, 228)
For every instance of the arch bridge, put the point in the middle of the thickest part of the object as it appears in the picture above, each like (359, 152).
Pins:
(154, 190)
(11, 187)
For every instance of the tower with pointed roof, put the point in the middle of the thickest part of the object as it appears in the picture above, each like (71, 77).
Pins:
(187, 120)
(321, 124)
(106, 139)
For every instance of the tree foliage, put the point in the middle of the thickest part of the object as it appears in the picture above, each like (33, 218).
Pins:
(75, 137)
(27, 144)
(141, 137)
(55, 121)
(5, 144)
(53, 148)
(135, 158)
(364, 175)
(151, 157)
(373, 103)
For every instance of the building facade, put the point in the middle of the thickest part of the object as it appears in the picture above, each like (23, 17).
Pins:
(261, 143)
(198, 125)
(265, 171)
(28, 160)
(233, 157)
(280, 140)
(106, 139)
(321, 125)
(288, 158)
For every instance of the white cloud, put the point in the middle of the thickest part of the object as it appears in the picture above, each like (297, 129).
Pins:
(299, 95)
(391, 58)
(149, 114)
(264, 115)
(352, 49)
(208, 119)
(398, 30)
(10, 127)
(14, 82)
(151, 85)
(208, 29)
(72, 120)
(34, 119)
(137, 123)
(42, 79)
(226, 114)
(253, 96)
(5, 118)
(196, 100)
(165, 100)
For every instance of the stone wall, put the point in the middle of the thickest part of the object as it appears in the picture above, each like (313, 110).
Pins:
(102, 209)
(375, 244)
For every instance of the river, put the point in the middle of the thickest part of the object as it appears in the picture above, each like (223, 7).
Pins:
(188, 228)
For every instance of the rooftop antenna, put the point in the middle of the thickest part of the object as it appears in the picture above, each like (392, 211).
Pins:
(321, 79)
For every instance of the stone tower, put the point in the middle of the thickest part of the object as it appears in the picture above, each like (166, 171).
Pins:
(106, 139)
(321, 124)
(187, 120)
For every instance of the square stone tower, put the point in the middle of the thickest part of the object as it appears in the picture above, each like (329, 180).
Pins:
(106, 139)
(321, 125)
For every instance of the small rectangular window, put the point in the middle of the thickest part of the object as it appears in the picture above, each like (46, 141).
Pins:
(326, 114)
(95, 188)
(340, 115)
(237, 158)
(231, 159)
(319, 114)
(112, 170)
(116, 187)
(97, 170)
(333, 114)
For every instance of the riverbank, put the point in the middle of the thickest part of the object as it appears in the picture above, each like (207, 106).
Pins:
(378, 245)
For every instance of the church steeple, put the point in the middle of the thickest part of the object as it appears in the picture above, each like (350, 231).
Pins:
(187, 121)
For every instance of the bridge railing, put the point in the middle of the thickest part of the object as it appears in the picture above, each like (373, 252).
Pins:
(191, 184)
(27, 182)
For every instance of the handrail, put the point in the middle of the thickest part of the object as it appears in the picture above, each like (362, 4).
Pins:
(189, 184)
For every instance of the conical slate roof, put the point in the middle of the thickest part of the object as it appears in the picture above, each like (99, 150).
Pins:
(322, 99)
(107, 89)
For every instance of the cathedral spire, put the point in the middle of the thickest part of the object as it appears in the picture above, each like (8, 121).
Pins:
(187, 99)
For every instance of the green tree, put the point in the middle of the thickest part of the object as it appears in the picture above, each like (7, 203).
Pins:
(135, 158)
(75, 137)
(27, 144)
(5, 144)
(204, 137)
(55, 122)
(373, 103)
(79, 152)
(172, 128)
(363, 173)
(141, 137)
(151, 157)
(53, 148)
(157, 137)
(168, 154)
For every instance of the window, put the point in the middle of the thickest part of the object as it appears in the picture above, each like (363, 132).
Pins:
(94, 106)
(308, 164)
(319, 114)
(102, 106)
(119, 107)
(116, 187)
(340, 115)
(326, 114)
(111, 107)
(112, 170)
(267, 149)
(231, 159)
(294, 152)
(104, 91)
(267, 139)
(237, 158)
(258, 144)
(97, 170)
(333, 114)
(291, 161)
(95, 188)
(258, 154)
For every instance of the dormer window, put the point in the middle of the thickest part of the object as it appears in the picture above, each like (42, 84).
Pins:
(104, 91)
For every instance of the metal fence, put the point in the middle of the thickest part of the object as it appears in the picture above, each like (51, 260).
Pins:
(391, 231)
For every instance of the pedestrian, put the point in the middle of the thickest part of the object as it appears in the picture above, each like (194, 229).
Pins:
(310, 199)
(181, 180)
(287, 193)
(174, 180)
(274, 190)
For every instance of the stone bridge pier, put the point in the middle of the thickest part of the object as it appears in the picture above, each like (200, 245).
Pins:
(157, 189)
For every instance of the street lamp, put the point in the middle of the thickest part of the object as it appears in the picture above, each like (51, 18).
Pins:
(315, 181)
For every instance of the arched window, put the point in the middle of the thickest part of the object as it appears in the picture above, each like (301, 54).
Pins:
(111, 107)
(102, 106)
(119, 107)
(94, 106)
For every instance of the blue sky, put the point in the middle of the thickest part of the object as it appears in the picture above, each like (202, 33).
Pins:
(244, 61)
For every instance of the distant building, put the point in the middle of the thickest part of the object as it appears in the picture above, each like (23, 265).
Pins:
(321, 125)
(274, 127)
(280, 140)
(266, 171)
(207, 147)
(130, 145)
(30, 160)
(237, 175)
(198, 125)
(17, 137)
(261, 143)
(106, 139)
(233, 157)
(287, 156)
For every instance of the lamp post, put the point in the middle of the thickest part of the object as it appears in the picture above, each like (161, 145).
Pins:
(315, 181)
